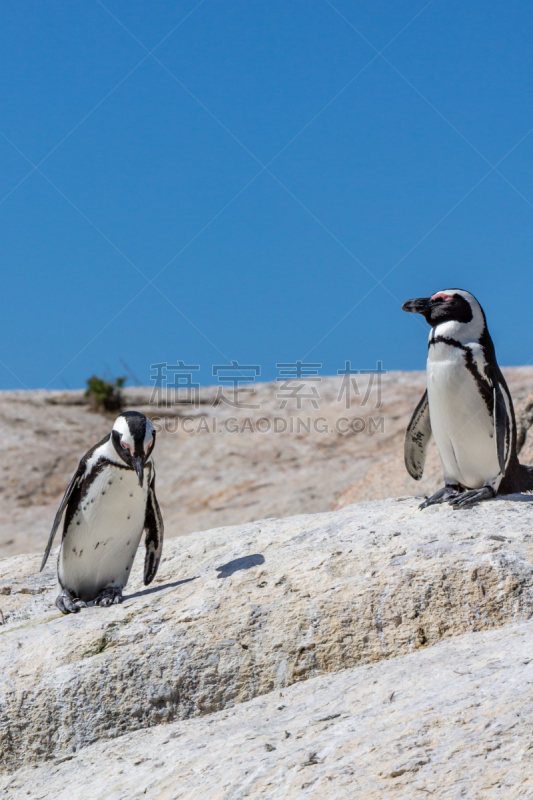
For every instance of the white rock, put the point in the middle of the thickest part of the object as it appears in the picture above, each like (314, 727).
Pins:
(450, 722)
(245, 611)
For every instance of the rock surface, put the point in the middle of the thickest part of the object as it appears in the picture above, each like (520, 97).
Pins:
(454, 721)
(231, 467)
(240, 612)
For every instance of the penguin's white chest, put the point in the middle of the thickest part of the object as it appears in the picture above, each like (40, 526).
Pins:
(104, 534)
(461, 422)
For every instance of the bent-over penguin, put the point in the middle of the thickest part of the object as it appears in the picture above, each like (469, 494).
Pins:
(467, 406)
(108, 503)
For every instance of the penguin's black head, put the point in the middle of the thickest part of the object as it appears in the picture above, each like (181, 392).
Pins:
(450, 305)
(133, 438)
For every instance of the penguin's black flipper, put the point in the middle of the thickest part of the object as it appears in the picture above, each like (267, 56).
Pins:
(417, 438)
(502, 425)
(153, 525)
(66, 497)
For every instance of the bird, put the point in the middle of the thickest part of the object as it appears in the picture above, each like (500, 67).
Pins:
(108, 503)
(467, 406)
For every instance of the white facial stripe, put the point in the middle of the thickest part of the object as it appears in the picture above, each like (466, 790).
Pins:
(463, 332)
(148, 436)
(149, 433)
(121, 426)
(126, 439)
(467, 296)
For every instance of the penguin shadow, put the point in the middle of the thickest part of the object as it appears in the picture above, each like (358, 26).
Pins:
(240, 563)
(516, 498)
(159, 588)
(246, 562)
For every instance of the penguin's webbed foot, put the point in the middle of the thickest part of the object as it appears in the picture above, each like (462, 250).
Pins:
(470, 498)
(447, 493)
(68, 604)
(109, 596)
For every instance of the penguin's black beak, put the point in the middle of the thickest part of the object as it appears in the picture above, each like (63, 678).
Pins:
(420, 305)
(138, 463)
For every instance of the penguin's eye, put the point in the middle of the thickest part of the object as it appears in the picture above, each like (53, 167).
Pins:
(148, 445)
(127, 446)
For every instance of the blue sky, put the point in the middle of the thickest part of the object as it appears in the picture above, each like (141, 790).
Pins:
(258, 181)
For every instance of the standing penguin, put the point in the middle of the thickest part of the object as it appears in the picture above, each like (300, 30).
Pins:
(109, 502)
(467, 406)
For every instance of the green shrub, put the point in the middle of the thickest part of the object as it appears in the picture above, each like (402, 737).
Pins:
(105, 395)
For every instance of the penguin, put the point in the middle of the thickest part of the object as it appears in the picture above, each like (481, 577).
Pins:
(108, 503)
(467, 406)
